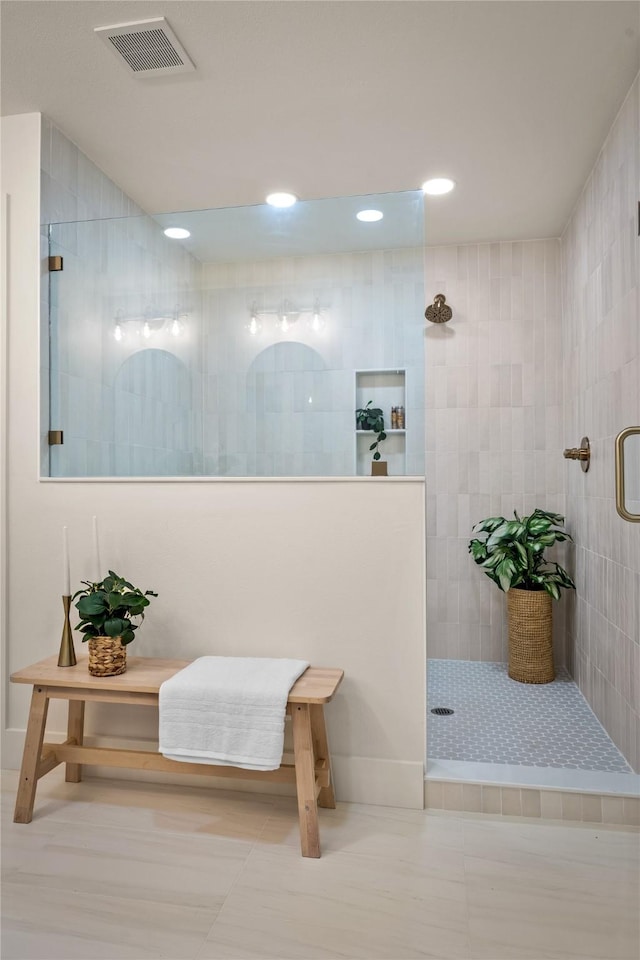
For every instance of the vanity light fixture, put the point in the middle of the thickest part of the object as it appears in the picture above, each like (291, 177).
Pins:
(369, 216)
(177, 233)
(281, 199)
(438, 186)
(150, 323)
(285, 316)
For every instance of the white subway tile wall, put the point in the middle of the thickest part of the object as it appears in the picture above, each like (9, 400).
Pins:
(600, 255)
(493, 427)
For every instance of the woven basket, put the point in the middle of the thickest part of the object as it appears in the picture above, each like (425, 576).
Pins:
(107, 656)
(530, 636)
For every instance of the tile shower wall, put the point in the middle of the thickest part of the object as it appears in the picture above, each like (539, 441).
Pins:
(126, 407)
(600, 252)
(494, 434)
(283, 404)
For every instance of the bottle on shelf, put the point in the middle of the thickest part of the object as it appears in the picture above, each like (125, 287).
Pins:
(400, 418)
(394, 418)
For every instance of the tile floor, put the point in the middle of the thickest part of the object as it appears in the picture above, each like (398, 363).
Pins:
(498, 720)
(118, 869)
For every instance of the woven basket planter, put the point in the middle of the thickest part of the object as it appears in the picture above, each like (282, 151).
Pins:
(107, 656)
(530, 636)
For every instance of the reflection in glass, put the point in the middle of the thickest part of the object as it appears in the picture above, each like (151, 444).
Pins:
(233, 351)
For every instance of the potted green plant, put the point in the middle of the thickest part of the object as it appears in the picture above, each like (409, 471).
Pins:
(511, 552)
(372, 418)
(106, 610)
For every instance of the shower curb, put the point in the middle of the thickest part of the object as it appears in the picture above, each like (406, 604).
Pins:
(544, 804)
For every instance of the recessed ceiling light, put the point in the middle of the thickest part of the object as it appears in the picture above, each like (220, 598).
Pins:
(177, 233)
(281, 199)
(370, 216)
(438, 186)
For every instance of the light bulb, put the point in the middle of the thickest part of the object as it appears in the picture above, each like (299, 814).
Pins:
(316, 320)
(284, 323)
(175, 328)
(117, 333)
(253, 326)
(146, 330)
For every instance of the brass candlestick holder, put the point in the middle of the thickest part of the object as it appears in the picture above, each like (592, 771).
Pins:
(67, 657)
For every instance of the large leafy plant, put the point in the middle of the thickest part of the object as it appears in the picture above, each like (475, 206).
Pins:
(106, 608)
(371, 418)
(511, 552)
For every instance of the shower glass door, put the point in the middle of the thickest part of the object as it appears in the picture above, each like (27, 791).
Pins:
(239, 350)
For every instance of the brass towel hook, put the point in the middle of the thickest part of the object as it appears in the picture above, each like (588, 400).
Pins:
(581, 453)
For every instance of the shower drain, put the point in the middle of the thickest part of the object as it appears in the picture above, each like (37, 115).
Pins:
(442, 711)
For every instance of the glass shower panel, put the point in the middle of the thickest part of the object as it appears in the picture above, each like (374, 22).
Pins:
(236, 351)
(126, 369)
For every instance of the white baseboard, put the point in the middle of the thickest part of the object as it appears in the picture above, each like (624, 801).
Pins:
(389, 783)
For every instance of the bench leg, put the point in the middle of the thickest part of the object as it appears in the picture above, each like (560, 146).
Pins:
(31, 756)
(305, 780)
(326, 797)
(75, 734)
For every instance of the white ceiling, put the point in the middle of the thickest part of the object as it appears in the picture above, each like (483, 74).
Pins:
(340, 97)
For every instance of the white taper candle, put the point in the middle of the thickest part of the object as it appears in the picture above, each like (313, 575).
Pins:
(66, 571)
(96, 553)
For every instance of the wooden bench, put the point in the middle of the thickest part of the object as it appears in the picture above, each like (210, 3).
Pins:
(309, 768)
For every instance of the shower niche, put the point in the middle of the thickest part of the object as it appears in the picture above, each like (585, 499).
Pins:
(386, 389)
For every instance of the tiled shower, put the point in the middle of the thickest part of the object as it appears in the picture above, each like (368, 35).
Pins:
(545, 351)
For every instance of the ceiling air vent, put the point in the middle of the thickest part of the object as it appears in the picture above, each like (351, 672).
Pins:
(150, 48)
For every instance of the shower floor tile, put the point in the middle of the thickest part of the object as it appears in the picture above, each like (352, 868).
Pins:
(498, 720)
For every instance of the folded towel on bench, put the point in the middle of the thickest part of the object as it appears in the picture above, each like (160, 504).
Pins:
(227, 711)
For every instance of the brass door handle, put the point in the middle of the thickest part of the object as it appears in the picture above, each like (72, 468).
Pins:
(581, 453)
(621, 502)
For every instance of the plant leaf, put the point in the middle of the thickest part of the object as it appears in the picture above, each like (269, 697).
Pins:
(92, 604)
(505, 571)
(115, 627)
(552, 588)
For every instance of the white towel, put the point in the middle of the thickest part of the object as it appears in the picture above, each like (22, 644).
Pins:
(227, 711)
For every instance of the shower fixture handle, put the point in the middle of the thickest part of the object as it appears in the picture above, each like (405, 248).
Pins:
(581, 453)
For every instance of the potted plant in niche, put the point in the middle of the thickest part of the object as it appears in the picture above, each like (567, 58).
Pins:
(106, 610)
(372, 418)
(511, 552)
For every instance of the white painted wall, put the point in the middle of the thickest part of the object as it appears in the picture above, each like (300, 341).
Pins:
(332, 571)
